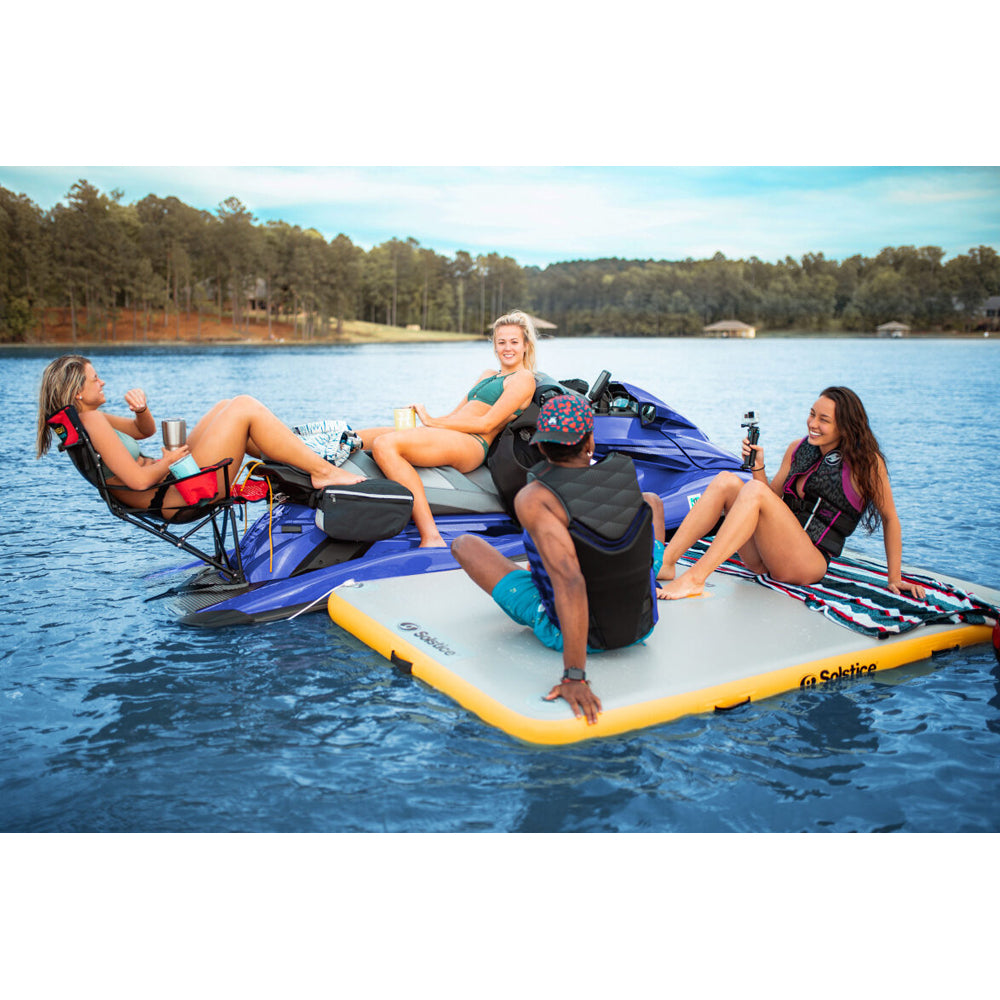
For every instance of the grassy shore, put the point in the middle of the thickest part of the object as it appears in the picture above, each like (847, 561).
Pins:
(358, 332)
(181, 329)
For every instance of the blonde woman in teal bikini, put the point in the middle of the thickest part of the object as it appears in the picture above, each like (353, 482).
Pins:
(463, 437)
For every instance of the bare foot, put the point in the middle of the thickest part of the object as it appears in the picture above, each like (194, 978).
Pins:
(683, 586)
(667, 571)
(437, 542)
(336, 477)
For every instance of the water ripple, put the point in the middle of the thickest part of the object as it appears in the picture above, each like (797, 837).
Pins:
(114, 718)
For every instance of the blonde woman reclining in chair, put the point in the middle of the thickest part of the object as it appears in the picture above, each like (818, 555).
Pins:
(232, 429)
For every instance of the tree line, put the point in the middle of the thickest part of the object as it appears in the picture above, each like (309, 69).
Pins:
(96, 256)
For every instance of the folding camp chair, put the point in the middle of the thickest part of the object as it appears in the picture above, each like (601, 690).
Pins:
(218, 510)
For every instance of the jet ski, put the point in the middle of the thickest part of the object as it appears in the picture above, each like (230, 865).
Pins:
(308, 542)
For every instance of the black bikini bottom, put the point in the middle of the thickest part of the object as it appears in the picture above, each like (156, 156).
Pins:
(158, 497)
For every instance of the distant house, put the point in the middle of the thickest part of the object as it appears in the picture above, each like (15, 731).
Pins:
(893, 329)
(729, 328)
(542, 325)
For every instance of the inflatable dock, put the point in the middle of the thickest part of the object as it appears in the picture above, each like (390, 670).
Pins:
(739, 642)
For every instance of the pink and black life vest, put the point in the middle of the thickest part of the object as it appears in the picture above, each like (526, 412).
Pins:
(830, 508)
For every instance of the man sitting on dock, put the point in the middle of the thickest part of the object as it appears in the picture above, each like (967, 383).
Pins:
(594, 543)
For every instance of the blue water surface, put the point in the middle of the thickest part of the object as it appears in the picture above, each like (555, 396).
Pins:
(115, 718)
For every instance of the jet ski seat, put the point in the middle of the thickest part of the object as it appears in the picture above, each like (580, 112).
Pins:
(489, 489)
(219, 511)
(448, 491)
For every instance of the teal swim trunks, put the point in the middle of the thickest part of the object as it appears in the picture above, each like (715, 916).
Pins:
(517, 596)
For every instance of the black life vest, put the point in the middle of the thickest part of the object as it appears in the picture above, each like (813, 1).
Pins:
(824, 510)
(612, 531)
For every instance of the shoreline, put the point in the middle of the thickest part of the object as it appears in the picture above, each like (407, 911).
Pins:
(129, 329)
(429, 337)
(187, 345)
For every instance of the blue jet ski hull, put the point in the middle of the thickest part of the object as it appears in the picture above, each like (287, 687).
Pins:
(291, 565)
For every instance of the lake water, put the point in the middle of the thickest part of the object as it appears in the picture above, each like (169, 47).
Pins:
(115, 718)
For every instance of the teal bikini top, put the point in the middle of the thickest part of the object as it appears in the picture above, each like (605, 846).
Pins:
(489, 390)
(131, 445)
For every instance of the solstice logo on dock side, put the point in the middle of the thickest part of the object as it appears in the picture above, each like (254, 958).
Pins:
(825, 676)
(426, 637)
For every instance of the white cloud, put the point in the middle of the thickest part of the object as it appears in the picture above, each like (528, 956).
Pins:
(539, 215)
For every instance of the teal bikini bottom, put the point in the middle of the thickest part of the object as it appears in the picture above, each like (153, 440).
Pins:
(482, 441)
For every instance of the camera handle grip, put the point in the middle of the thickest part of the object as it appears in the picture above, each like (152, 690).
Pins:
(753, 435)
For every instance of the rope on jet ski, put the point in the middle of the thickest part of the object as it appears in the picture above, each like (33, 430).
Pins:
(312, 604)
(238, 489)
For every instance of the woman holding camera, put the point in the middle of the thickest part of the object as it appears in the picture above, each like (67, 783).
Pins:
(829, 482)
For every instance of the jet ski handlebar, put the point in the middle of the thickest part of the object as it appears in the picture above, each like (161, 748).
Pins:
(600, 384)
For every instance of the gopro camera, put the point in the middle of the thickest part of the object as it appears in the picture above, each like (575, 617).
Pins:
(753, 435)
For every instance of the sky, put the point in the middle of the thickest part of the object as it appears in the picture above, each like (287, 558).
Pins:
(545, 214)
(538, 131)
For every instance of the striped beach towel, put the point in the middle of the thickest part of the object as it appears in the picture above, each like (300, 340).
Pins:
(330, 439)
(854, 593)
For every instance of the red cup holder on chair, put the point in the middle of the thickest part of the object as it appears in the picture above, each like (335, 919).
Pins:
(203, 487)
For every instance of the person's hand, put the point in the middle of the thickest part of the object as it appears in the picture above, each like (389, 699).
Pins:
(580, 698)
(758, 461)
(136, 400)
(421, 412)
(898, 586)
(176, 454)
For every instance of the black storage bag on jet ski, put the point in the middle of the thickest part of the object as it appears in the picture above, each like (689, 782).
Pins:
(287, 482)
(364, 512)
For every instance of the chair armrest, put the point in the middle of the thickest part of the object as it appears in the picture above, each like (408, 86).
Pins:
(222, 464)
(208, 468)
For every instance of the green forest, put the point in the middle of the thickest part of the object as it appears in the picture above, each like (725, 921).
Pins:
(95, 255)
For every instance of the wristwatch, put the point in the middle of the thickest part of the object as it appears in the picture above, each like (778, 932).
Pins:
(574, 674)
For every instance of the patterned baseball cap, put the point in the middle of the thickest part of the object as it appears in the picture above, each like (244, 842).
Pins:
(564, 420)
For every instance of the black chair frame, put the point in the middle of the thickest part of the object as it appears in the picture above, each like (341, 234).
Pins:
(219, 511)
